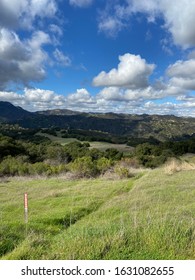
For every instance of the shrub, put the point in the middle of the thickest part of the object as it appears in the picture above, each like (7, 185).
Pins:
(76, 149)
(113, 154)
(130, 162)
(103, 164)
(40, 168)
(122, 172)
(95, 154)
(11, 166)
(84, 167)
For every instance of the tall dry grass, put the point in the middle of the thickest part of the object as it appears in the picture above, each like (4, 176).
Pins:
(174, 165)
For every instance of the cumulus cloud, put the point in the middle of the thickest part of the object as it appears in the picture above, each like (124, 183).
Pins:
(179, 20)
(38, 95)
(22, 13)
(182, 69)
(182, 74)
(128, 95)
(13, 96)
(111, 93)
(80, 96)
(81, 3)
(119, 101)
(130, 81)
(21, 61)
(132, 72)
(34, 99)
(40, 99)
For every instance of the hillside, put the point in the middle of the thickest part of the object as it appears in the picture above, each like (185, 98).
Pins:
(58, 112)
(11, 113)
(120, 125)
(146, 217)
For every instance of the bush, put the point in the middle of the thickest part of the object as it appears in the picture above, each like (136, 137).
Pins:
(11, 166)
(84, 167)
(76, 149)
(95, 154)
(40, 168)
(122, 172)
(152, 156)
(129, 162)
(20, 167)
(103, 164)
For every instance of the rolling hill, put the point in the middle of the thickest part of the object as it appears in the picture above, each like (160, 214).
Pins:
(161, 127)
(150, 216)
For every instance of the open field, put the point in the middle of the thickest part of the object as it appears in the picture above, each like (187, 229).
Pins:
(57, 139)
(150, 216)
(102, 146)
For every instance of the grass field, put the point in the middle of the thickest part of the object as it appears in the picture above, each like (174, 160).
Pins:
(151, 216)
(102, 146)
(57, 139)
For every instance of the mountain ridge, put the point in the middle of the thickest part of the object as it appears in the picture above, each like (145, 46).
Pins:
(161, 127)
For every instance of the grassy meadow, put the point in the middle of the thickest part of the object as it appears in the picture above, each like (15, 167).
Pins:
(100, 145)
(149, 216)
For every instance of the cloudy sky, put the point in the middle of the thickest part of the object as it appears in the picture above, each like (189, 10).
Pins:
(127, 56)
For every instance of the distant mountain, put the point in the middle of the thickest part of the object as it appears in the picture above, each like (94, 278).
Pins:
(161, 127)
(58, 112)
(9, 112)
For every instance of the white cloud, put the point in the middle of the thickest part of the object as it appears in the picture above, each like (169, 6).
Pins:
(13, 96)
(40, 99)
(128, 95)
(11, 11)
(167, 108)
(112, 19)
(11, 47)
(34, 99)
(132, 72)
(126, 88)
(178, 17)
(24, 60)
(22, 13)
(111, 93)
(21, 61)
(182, 74)
(148, 93)
(61, 58)
(110, 25)
(182, 69)
(42, 8)
(80, 96)
(38, 95)
(80, 3)
(56, 29)
(179, 20)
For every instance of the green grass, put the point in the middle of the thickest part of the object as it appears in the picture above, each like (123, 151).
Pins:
(58, 139)
(146, 217)
(102, 146)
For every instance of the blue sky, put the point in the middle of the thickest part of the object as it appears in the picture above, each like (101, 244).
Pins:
(125, 56)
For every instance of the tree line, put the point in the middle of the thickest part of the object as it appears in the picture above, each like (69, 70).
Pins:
(37, 155)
